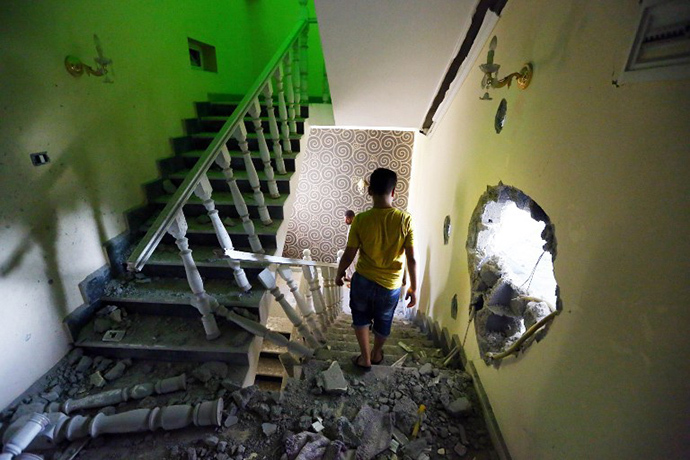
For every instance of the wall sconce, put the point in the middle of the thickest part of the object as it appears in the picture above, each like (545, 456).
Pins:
(76, 68)
(491, 80)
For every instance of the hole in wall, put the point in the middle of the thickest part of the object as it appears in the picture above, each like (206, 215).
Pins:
(511, 247)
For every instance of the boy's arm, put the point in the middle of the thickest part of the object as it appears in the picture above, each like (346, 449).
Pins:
(345, 262)
(412, 270)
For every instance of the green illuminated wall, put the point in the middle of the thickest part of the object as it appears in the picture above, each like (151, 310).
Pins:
(103, 139)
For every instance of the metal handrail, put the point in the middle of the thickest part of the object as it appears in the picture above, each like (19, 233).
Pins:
(155, 234)
(250, 259)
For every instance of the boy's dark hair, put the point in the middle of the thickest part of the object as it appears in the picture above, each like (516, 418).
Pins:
(382, 181)
(349, 213)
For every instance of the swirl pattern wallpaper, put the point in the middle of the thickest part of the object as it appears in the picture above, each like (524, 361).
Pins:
(336, 162)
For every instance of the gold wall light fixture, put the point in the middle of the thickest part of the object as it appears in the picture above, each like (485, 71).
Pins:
(76, 68)
(491, 80)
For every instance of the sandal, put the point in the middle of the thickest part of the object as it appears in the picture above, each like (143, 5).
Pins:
(379, 361)
(355, 361)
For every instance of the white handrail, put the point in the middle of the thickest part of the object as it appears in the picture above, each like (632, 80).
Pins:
(148, 244)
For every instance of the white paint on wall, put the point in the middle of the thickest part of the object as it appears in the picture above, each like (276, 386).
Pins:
(386, 58)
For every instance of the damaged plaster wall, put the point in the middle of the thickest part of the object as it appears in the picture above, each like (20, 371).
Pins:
(103, 140)
(609, 165)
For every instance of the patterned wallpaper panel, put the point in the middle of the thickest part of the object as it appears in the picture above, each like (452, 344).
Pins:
(335, 161)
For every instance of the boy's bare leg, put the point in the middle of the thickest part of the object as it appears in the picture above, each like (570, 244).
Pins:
(377, 351)
(362, 334)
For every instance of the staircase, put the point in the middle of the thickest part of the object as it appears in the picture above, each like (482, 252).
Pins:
(160, 323)
(342, 344)
(225, 187)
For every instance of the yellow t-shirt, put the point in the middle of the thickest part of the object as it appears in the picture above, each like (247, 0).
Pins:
(381, 234)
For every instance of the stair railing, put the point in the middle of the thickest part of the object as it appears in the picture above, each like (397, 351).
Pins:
(327, 301)
(172, 219)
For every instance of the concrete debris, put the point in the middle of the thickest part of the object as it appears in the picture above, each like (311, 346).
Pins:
(269, 428)
(405, 411)
(490, 272)
(376, 431)
(116, 316)
(332, 380)
(461, 406)
(405, 347)
(211, 441)
(115, 372)
(346, 433)
(230, 420)
(415, 448)
(74, 356)
(243, 397)
(317, 426)
(97, 379)
(460, 450)
(84, 364)
(306, 446)
(102, 364)
(426, 369)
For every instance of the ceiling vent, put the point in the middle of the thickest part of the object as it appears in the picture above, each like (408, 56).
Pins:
(661, 48)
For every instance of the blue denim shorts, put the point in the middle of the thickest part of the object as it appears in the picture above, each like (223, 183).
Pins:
(371, 302)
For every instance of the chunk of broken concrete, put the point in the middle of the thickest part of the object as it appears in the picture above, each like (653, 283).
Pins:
(426, 369)
(332, 380)
(460, 406)
(97, 379)
(100, 325)
(230, 420)
(116, 371)
(376, 430)
(243, 397)
(405, 411)
(84, 364)
(269, 428)
(345, 432)
(415, 448)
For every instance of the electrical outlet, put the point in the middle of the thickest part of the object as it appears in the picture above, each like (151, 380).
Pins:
(40, 158)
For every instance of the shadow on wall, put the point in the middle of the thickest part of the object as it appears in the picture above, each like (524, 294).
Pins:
(69, 184)
(425, 293)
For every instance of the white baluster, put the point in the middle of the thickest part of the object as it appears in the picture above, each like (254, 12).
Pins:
(339, 289)
(260, 330)
(224, 161)
(297, 84)
(304, 67)
(203, 191)
(304, 284)
(201, 300)
(255, 113)
(241, 135)
(327, 292)
(289, 89)
(282, 109)
(317, 295)
(307, 311)
(273, 128)
(268, 280)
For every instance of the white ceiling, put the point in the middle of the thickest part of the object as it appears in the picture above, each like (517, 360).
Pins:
(386, 58)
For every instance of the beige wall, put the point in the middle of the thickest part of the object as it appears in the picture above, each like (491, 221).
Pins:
(102, 140)
(610, 167)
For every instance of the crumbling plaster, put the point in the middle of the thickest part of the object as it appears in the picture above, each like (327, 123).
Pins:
(609, 165)
(103, 140)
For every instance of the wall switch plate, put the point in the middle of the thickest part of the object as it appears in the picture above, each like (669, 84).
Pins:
(40, 158)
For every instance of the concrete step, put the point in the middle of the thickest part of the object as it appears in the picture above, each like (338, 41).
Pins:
(205, 234)
(216, 122)
(270, 367)
(344, 358)
(172, 296)
(170, 338)
(219, 183)
(191, 157)
(226, 206)
(166, 262)
(390, 348)
(228, 105)
(200, 141)
(396, 332)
